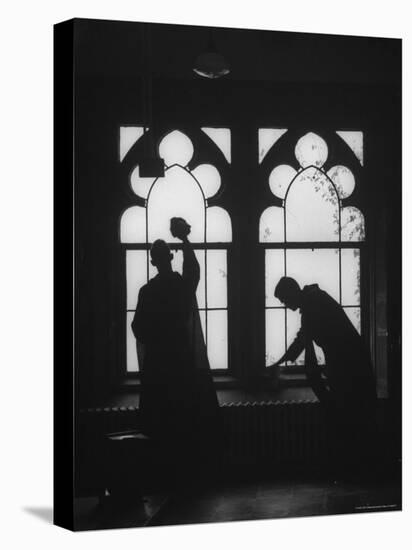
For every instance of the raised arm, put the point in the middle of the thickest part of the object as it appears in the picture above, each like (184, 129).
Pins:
(191, 270)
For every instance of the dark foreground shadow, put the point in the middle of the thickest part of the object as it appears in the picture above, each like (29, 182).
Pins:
(43, 513)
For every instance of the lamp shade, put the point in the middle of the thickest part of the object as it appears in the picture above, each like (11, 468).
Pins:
(211, 65)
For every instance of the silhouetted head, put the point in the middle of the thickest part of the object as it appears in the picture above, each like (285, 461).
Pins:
(161, 255)
(288, 292)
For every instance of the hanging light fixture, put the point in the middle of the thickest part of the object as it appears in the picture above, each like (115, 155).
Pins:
(211, 64)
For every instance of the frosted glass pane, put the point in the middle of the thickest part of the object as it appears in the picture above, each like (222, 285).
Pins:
(355, 142)
(132, 362)
(176, 195)
(312, 208)
(267, 138)
(311, 150)
(343, 179)
(217, 339)
(274, 270)
(320, 266)
(141, 186)
(133, 225)
(280, 179)
(219, 226)
(354, 315)
(176, 148)
(352, 224)
(129, 135)
(271, 225)
(208, 178)
(221, 137)
(136, 275)
(350, 276)
(216, 279)
(275, 335)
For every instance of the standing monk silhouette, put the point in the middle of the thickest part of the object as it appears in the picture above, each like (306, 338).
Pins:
(178, 404)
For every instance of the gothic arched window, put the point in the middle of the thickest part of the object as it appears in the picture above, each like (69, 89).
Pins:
(182, 192)
(311, 232)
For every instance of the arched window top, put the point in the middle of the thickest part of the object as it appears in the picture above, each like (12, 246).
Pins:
(175, 195)
(312, 208)
(180, 193)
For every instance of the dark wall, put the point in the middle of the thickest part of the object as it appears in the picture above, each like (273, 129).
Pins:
(315, 100)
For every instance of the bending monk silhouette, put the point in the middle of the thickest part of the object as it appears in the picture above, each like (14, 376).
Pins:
(178, 402)
(346, 389)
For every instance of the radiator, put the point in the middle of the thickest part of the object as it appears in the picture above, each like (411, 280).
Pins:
(284, 432)
(281, 432)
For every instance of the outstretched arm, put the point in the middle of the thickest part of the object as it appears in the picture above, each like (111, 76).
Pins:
(294, 350)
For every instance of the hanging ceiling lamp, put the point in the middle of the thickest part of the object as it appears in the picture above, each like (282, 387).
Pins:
(211, 64)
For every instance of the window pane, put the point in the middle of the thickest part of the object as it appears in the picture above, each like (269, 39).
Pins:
(354, 314)
(275, 335)
(221, 137)
(320, 266)
(271, 226)
(280, 179)
(141, 186)
(176, 195)
(128, 137)
(311, 150)
(136, 275)
(217, 339)
(208, 178)
(352, 224)
(132, 362)
(176, 148)
(355, 142)
(267, 138)
(133, 225)
(343, 180)
(312, 208)
(350, 276)
(219, 226)
(216, 279)
(274, 270)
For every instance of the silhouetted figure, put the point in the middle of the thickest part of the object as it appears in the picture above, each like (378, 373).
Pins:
(178, 404)
(346, 387)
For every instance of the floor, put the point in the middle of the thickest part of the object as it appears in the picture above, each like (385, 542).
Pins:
(247, 501)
